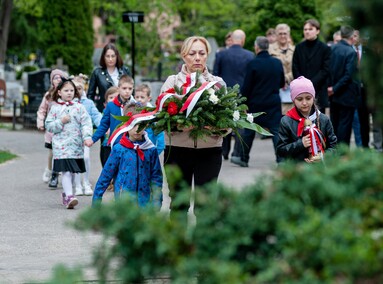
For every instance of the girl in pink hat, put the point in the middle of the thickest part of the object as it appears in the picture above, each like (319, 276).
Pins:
(42, 112)
(304, 133)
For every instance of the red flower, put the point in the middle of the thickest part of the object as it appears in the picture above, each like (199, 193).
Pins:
(172, 108)
(144, 111)
(129, 114)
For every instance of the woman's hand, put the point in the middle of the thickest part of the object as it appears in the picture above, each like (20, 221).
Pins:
(306, 141)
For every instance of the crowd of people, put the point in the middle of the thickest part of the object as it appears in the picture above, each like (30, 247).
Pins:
(296, 86)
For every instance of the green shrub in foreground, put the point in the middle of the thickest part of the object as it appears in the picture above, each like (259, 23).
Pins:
(304, 224)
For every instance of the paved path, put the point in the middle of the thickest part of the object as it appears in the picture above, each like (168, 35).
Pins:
(34, 235)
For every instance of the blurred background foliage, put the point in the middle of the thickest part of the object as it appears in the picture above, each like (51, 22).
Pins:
(63, 28)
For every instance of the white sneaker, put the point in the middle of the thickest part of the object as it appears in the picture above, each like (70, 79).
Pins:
(88, 189)
(47, 175)
(78, 191)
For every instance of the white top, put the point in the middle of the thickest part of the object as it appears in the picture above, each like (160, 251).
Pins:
(114, 77)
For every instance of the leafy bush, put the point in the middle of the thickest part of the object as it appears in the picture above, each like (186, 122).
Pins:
(305, 224)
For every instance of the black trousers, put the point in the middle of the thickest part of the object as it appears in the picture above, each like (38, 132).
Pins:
(203, 165)
(248, 136)
(341, 118)
(104, 154)
(226, 145)
(364, 119)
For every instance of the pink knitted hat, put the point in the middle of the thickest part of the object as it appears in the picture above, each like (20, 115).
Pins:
(58, 72)
(301, 85)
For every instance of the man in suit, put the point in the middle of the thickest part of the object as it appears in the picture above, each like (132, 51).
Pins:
(230, 65)
(311, 59)
(363, 113)
(264, 77)
(344, 90)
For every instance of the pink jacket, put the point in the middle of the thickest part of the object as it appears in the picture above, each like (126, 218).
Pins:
(42, 113)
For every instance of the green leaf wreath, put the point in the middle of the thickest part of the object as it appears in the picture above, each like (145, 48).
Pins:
(217, 111)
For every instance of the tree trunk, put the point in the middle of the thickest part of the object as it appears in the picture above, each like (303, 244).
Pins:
(5, 19)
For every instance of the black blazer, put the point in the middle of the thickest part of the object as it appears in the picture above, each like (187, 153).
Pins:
(230, 64)
(344, 75)
(314, 65)
(99, 82)
(264, 77)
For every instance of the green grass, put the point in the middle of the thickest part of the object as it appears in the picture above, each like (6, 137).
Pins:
(6, 156)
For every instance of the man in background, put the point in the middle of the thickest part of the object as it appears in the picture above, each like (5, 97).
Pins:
(230, 64)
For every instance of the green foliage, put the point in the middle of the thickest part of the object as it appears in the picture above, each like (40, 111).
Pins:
(332, 15)
(63, 275)
(308, 223)
(67, 33)
(24, 39)
(29, 7)
(6, 156)
(267, 14)
(207, 18)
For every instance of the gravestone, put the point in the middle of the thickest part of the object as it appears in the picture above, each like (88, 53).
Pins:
(3, 92)
(37, 83)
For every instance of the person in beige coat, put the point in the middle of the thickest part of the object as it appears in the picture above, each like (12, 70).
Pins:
(284, 50)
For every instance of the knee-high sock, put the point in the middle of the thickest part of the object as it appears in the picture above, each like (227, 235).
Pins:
(76, 180)
(66, 181)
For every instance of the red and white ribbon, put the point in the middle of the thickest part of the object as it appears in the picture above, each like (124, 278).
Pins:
(317, 140)
(194, 97)
(130, 124)
(191, 80)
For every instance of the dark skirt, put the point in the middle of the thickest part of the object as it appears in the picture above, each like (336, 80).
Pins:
(69, 165)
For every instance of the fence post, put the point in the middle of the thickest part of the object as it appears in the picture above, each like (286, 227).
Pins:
(14, 116)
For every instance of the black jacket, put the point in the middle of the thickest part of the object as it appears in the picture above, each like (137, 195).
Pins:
(99, 82)
(290, 146)
(344, 75)
(312, 60)
(230, 64)
(264, 77)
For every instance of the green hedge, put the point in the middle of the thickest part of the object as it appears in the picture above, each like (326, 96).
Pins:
(303, 224)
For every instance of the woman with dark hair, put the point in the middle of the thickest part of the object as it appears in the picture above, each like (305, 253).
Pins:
(107, 75)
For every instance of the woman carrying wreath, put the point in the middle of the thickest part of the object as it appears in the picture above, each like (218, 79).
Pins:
(198, 159)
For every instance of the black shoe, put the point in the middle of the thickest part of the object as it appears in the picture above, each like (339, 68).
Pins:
(239, 162)
(225, 157)
(54, 180)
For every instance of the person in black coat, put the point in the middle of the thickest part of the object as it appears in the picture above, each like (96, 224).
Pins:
(230, 64)
(107, 75)
(264, 77)
(312, 59)
(344, 90)
(294, 143)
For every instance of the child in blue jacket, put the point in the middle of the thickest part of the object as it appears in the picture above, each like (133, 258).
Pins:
(116, 107)
(135, 168)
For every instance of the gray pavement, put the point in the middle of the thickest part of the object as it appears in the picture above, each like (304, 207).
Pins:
(34, 235)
